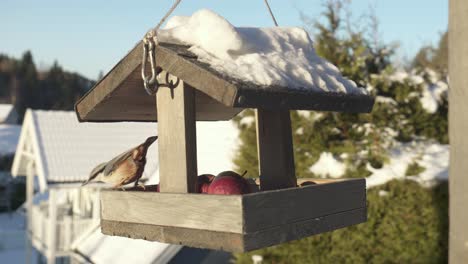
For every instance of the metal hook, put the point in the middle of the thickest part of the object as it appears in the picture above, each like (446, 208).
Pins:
(148, 49)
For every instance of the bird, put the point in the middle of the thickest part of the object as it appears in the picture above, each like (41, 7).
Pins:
(125, 168)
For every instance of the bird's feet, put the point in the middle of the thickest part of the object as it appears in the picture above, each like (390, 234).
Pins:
(142, 186)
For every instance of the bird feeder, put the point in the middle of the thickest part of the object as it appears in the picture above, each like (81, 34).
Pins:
(193, 91)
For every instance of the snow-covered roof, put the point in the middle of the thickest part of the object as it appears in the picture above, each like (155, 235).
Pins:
(65, 150)
(101, 248)
(282, 56)
(9, 135)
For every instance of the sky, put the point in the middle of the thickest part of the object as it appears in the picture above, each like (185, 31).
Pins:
(90, 36)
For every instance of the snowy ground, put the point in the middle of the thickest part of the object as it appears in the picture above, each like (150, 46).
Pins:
(9, 135)
(13, 240)
(433, 157)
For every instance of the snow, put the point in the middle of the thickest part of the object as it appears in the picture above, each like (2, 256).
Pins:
(433, 157)
(327, 165)
(9, 135)
(216, 145)
(432, 90)
(247, 120)
(282, 56)
(383, 193)
(432, 95)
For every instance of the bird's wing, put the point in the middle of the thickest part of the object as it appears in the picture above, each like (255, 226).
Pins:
(114, 163)
(94, 173)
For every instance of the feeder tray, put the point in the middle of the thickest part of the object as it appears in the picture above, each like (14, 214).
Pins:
(235, 223)
(280, 212)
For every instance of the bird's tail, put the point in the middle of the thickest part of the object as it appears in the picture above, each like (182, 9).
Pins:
(94, 173)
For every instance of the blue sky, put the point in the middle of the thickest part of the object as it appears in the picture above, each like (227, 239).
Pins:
(88, 36)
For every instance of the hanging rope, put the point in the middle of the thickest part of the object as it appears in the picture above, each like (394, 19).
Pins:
(271, 13)
(150, 41)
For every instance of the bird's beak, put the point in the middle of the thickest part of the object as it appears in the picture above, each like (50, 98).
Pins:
(150, 141)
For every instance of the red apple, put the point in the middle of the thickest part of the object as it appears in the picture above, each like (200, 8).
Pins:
(204, 182)
(229, 182)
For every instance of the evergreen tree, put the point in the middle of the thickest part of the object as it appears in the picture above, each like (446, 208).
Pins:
(435, 58)
(26, 84)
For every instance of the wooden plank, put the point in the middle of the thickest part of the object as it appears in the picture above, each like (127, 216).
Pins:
(265, 210)
(109, 83)
(209, 212)
(275, 98)
(225, 241)
(275, 149)
(458, 128)
(234, 242)
(177, 139)
(302, 229)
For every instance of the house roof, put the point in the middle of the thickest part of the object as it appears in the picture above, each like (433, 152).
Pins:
(65, 151)
(101, 248)
(120, 96)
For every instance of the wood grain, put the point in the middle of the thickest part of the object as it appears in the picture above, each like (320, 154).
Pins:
(458, 129)
(264, 210)
(177, 139)
(225, 241)
(302, 229)
(208, 212)
(234, 242)
(275, 149)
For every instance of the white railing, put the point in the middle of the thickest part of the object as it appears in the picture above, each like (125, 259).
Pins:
(67, 229)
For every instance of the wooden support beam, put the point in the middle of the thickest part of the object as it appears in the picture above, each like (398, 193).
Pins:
(177, 137)
(275, 149)
(458, 129)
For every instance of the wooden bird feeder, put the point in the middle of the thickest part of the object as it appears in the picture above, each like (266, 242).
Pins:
(280, 212)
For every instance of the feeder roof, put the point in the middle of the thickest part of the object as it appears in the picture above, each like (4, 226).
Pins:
(230, 68)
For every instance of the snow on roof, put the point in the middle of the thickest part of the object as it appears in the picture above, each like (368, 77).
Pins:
(66, 150)
(101, 248)
(281, 56)
(9, 135)
(5, 110)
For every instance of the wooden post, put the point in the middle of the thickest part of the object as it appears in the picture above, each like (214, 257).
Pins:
(52, 227)
(458, 129)
(275, 149)
(177, 138)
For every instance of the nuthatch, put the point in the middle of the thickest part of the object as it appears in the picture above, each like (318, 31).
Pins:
(125, 168)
